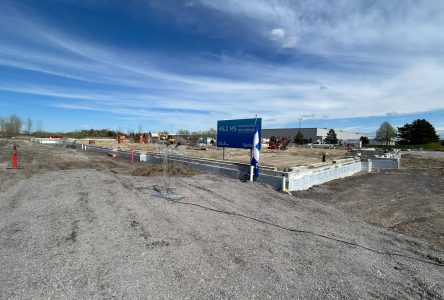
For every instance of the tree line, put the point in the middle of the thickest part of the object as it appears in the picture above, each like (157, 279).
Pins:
(79, 134)
(211, 133)
(418, 132)
(13, 125)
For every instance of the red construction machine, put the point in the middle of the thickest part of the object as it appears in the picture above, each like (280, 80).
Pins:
(278, 143)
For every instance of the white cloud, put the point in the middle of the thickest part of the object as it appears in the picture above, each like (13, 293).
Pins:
(125, 83)
(325, 26)
(277, 34)
(286, 42)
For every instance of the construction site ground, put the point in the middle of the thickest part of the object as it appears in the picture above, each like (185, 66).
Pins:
(79, 225)
(292, 157)
(408, 200)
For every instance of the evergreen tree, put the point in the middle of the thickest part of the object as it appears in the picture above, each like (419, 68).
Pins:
(418, 132)
(299, 138)
(331, 137)
(365, 141)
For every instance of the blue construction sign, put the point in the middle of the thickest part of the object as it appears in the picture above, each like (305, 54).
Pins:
(238, 133)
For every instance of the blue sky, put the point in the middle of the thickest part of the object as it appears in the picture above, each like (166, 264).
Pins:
(165, 64)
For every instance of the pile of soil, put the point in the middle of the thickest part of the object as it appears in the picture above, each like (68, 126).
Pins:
(174, 169)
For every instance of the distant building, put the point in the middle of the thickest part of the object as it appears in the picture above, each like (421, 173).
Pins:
(313, 134)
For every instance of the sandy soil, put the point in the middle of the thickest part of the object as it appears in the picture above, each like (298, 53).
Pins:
(71, 232)
(408, 200)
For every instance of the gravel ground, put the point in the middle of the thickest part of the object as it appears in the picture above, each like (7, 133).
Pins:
(97, 233)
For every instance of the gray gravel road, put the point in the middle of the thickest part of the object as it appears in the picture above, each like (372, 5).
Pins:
(89, 234)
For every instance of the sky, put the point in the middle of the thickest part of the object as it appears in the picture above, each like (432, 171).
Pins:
(169, 65)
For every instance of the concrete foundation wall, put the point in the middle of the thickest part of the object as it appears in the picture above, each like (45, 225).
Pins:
(305, 180)
(389, 163)
(268, 176)
(366, 165)
(300, 178)
(295, 181)
(46, 141)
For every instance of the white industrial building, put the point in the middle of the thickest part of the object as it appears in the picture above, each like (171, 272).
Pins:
(313, 134)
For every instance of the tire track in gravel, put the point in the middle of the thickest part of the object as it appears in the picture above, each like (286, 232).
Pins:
(128, 215)
(170, 219)
(84, 201)
(91, 238)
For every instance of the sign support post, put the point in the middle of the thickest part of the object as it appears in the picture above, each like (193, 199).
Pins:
(251, 151)
(251, 166)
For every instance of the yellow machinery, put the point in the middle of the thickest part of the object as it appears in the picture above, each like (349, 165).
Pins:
(166, 137)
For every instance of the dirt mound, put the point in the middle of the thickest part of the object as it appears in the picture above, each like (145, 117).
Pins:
(174, 169)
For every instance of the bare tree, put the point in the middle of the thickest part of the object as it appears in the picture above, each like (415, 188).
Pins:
(29, 126)
(39, 128)
(211, 133)
(140, 128)
(12, 125)
(2, 124)
(183, 132)
(385, 133)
